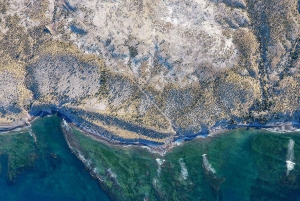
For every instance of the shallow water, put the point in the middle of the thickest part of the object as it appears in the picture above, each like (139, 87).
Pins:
(237, 165)
(46, 170)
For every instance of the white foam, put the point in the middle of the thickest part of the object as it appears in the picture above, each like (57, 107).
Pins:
(155, 182)
(177, 143)
(207, 165)
(290, 157)
(111, 173)
(87, 162)
(159, 162)
(95, 170)
(66, 125)
(290, 166)
(184, 172)
(32, 134)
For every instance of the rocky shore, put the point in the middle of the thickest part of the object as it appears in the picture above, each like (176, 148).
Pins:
(152, 146)
(151, 72)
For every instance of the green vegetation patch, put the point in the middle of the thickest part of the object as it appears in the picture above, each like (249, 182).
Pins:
(238, 165)
(17, 152)
(125, 172)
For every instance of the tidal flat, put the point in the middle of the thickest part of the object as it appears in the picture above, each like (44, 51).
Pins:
(38, 164)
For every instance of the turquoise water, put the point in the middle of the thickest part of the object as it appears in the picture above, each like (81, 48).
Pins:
(45, 170)
(237, 165)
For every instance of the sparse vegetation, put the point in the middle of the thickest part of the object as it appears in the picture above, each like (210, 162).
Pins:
(186, 78)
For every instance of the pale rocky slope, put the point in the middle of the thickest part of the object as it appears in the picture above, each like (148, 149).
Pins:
(150, 70)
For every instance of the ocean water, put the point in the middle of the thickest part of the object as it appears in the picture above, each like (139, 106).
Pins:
(45, 169)
(236, 165)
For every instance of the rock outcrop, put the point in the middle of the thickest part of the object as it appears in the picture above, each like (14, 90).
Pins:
(145, 70)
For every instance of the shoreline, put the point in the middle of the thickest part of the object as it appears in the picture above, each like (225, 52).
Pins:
(14, 127)
(156, 149)
(151, 146)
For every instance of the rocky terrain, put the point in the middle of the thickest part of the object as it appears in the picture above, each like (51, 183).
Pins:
(150, 71)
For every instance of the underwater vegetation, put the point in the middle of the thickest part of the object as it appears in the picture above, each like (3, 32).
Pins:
(36, 164)
(238, 165)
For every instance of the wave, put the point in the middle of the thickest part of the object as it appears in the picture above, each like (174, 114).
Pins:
(159, 162)
(32, 134)
(87, 162)
(290, 157)
(111, 173)
(207, 165)
(184, 172)
(66, 125)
